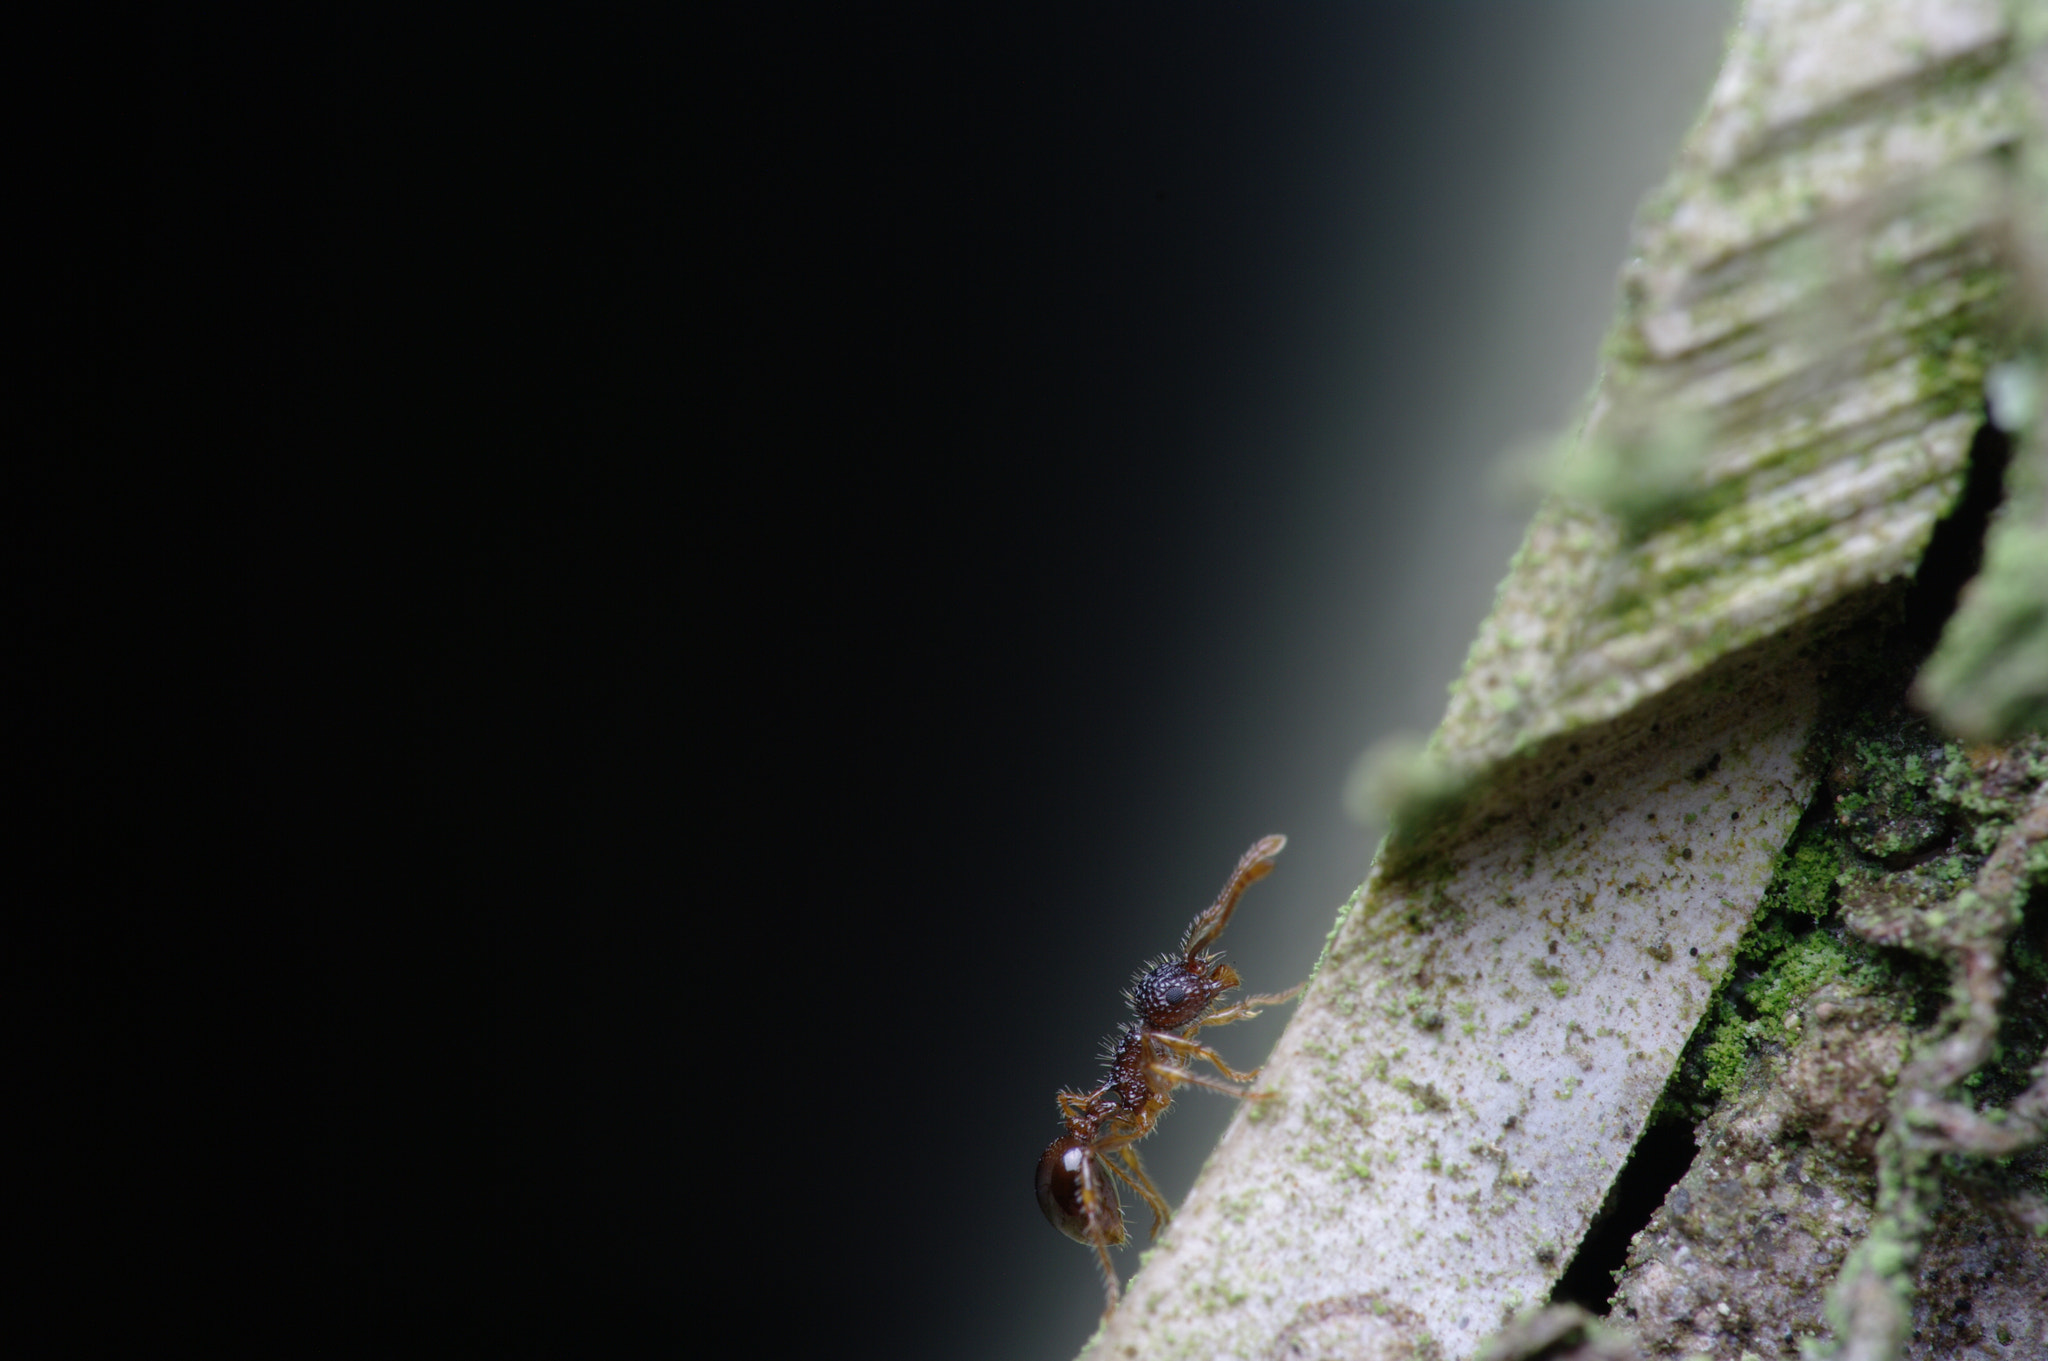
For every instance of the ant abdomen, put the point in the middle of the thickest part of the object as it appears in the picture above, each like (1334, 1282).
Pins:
(1075, 1193)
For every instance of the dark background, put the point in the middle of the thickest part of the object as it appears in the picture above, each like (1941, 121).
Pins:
(631, 624)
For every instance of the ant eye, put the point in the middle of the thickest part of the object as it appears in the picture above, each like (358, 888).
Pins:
(1060, 1187)
(1176, 993)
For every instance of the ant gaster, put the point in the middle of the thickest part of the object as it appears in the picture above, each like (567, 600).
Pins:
(1174, 996)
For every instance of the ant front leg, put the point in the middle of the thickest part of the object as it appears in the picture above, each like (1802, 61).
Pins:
(1249, 1007)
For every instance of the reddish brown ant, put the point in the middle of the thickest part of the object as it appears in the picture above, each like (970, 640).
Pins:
(1173, 997)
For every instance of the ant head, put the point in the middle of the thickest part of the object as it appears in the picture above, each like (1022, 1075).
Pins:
(1173, 992)
(1075, 1193)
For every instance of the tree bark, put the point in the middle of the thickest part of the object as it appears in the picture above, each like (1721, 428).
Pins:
(1787, 452)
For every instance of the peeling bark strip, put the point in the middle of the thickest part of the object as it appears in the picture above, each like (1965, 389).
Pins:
(1786, 413)
(1479, 1053)
(1818, 292)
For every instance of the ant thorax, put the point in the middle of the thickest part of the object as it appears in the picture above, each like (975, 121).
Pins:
(1138, 1086)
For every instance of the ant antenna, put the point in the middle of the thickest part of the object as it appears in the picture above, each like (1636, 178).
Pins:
(1254, 865)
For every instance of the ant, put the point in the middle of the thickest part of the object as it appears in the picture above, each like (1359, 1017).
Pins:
(1174, 996)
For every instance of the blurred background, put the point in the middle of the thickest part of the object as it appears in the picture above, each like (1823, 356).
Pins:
(642, 619)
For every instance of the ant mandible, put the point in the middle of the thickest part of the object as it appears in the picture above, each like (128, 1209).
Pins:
(1174, 996)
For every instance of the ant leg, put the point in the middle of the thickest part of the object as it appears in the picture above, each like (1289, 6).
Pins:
(1112, 1292)
(1249, 1007)
(1098, 1234)
(1133, 1173)
(1121, 1157)
(1172, 1074)
(1274, 999)
(1189, 1049)
(1073, 1104)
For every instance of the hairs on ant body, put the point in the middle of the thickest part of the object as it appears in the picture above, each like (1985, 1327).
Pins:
(1173, 997)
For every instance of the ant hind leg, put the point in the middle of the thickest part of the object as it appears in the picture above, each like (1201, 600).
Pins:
(1126, 1164)
(1100, 1222)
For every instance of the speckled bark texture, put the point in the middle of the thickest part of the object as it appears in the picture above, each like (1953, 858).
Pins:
(1604, 899)
(1746, 1248)
(1560, 1333)
(1741, 1257)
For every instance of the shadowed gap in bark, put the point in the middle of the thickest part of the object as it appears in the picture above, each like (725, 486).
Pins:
(1661, 1158)
(1957, 549)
